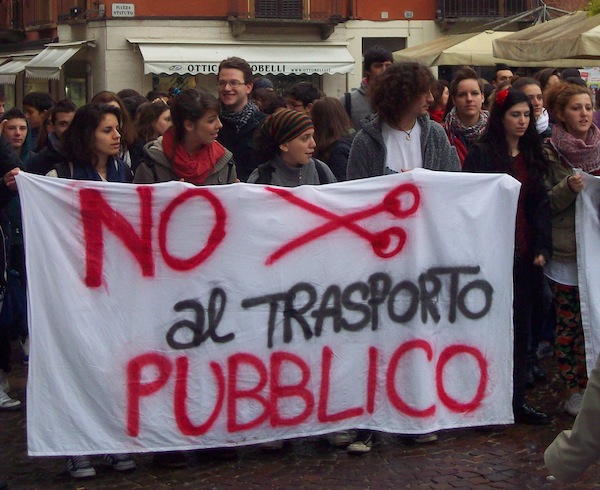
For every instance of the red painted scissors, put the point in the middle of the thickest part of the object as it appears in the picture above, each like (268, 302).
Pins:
(385, 243)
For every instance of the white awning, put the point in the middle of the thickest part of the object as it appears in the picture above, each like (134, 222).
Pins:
(181, 57)
(10, 70)
(49, 62)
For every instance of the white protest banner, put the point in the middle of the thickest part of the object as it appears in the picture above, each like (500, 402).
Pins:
(178, 317)
(587, 227)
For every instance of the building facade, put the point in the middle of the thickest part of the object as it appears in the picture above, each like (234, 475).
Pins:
(76, 48)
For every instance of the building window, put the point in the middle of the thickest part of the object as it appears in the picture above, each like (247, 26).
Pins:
(279, 9)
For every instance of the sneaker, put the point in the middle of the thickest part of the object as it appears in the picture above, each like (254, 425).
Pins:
(25, 347)
(119, 462)
(4, 384)
(362, 445)
(573, 404)
(425, 438)
(341, 438)
(8, 403)
(80, 467)
(544, 349)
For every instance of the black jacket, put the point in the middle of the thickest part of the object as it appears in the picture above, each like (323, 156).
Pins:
(42, 162)
(8, 160)
(482, 158)
(241, 144)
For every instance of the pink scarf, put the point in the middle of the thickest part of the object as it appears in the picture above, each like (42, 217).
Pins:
(578, 153)
(194, 168)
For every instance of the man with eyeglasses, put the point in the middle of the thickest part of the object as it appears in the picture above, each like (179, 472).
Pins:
(239, 115)
(301, 97)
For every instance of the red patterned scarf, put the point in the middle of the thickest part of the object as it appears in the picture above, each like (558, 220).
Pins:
(195, 167)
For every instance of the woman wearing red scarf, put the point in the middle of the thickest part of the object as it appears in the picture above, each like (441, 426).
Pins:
(573, 148)
(189, 151)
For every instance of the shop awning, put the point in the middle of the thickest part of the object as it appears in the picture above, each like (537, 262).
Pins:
(181, 57)
(10, 70)
(50, 61)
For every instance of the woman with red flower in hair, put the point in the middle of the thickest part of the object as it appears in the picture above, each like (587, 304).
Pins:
(510, 144)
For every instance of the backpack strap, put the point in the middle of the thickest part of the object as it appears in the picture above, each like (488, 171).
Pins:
(152, 166)
(265, 171)
(64, 170)
(321, 172)
(348, 104)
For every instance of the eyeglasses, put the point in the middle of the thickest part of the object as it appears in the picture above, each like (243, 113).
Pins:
(292, 105)
(231, 83)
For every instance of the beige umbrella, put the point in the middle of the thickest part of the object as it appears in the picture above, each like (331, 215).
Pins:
(571, 36)
(472, 49)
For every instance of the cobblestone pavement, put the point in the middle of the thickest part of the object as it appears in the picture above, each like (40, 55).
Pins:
(502, 457)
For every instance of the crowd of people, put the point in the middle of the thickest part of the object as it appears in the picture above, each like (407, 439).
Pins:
(540, 130)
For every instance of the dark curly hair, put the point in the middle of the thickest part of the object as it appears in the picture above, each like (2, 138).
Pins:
(530, 145)
(78, 145)
(395, 90)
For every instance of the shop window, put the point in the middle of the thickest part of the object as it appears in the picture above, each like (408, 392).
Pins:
(36, 85)
(168, 83)
(76, 82)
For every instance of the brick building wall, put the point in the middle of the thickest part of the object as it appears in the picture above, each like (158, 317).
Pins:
(567, 4)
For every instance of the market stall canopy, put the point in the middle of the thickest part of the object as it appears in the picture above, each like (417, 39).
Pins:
(181, 57)
(571, 36)
(472, 49)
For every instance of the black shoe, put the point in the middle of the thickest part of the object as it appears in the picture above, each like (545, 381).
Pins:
(538, 373)
(170, 459)
(526, 414)
(529, 379)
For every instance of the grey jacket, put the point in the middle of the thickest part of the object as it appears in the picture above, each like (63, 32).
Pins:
(156, 167)
(574, 450)
(286, 176)
(360, 106)
(367, 156)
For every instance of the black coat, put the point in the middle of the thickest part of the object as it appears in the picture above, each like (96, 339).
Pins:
(483, 158)
(241, 144)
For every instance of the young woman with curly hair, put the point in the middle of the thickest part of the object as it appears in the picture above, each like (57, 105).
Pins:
(573, 148)
(399, 137)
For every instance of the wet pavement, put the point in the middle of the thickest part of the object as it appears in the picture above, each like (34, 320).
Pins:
(499, 457)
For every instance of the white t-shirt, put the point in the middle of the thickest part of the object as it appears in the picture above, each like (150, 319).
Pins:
(403, 150)
(562, 272)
